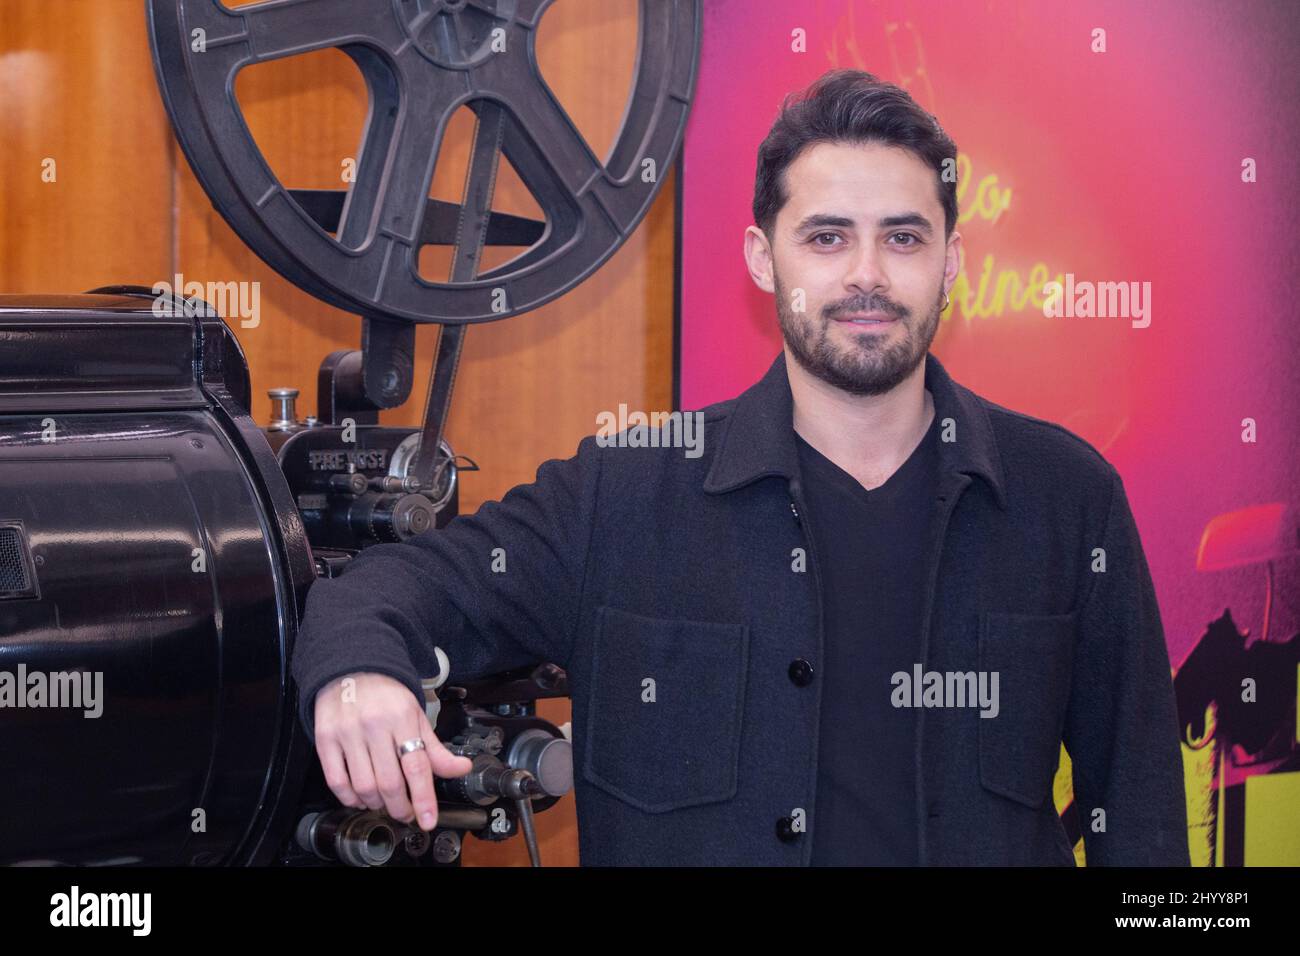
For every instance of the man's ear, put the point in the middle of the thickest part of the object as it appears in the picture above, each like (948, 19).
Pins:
(952, 261)
(758, 257)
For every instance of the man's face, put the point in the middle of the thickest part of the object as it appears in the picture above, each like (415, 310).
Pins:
(858, 263)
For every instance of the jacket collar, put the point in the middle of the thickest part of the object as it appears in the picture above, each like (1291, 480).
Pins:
(760, 439)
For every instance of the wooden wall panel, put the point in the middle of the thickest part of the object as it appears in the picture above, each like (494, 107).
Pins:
(77, 87)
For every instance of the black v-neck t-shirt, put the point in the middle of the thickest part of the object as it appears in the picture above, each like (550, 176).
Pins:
(869, 548)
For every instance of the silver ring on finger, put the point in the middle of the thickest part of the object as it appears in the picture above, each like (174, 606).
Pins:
(410, 746)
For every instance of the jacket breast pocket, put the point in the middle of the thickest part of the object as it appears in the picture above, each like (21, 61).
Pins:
(1032, 655)
(664, 716)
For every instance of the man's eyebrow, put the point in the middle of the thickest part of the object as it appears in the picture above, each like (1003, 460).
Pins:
(822, 219)
(907, 219)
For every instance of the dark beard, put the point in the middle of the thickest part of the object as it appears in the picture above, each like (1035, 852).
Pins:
(867, 369)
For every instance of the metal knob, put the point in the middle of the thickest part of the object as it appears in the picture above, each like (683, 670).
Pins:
(284, 416)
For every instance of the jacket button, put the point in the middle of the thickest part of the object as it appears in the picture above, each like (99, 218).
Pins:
(801, 672)
(785, 830)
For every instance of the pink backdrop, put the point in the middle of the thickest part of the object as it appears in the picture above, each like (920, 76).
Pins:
(1116, 166)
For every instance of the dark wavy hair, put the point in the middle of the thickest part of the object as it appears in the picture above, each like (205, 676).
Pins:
(850, 106)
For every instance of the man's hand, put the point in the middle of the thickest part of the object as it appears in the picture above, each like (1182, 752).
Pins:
(360, 721)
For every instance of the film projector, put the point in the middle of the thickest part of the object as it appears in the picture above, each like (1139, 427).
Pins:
(157, 545)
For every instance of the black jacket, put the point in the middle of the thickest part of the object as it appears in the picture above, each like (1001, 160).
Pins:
(631, 563)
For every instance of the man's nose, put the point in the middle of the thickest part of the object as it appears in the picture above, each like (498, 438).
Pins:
(866, 272)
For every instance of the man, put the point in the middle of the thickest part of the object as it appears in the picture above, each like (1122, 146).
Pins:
(855, 629)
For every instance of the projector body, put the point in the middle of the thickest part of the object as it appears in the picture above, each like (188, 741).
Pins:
(156, 548)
